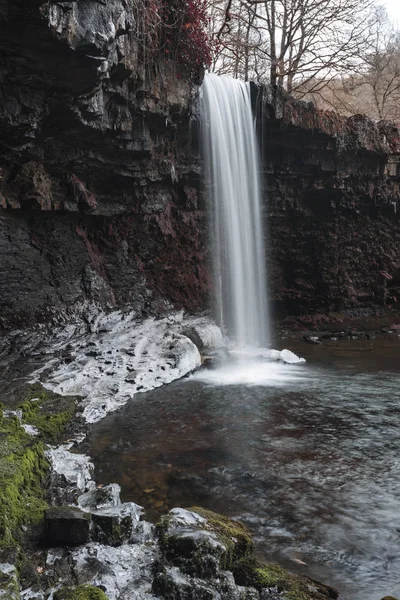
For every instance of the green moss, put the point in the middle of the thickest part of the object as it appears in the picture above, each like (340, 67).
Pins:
(112, 530)
(80, 592)
(47, 411)
(22, 470)
(192, 552)
(250, 572)
(23, 465)
(9, 586)
(235, 536)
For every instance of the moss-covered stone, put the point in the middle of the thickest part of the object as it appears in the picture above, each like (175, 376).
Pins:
(250, 572)
(201, 542)
(23, 467)
(80, 592)
(234, 535)
(9, 586)
(47, 411)
(110, 529)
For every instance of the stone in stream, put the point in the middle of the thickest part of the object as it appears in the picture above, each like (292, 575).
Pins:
(113, 522)
(172, 584)
(104, 497)
(208, 557)
(115, 525)
(201, 542)
(67, 525)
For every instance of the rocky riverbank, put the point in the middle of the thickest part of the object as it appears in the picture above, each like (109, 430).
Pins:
(65, 538)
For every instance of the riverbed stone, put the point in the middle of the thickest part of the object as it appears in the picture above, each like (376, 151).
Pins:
(275, 582)
(115, 525)
(101, 497)
(67, 525)
(201, 542)
(172, 584)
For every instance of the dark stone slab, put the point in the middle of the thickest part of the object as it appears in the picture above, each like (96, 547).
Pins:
(67, 525)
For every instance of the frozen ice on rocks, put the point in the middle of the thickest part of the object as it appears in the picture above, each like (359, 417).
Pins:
(54, 555)
(118, 356)
(76, 468)
(204, 334)
(32, 594)
(10, 584)
(286, 356)
(30, 429)
(291, 358)
(180, 517)
(145, 532)
(126, 509)
(124, 572)
(104, 497)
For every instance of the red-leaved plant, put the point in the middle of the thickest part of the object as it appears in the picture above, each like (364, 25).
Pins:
(188, 42)
(177, 28)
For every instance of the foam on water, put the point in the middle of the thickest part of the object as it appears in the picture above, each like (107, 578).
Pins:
(272, 368)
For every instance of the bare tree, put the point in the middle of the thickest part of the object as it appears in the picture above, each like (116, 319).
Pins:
(238, 40)
(379, 83)
(375, 88)
(303, 41)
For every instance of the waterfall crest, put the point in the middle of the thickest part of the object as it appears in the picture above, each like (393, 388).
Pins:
(232, 171)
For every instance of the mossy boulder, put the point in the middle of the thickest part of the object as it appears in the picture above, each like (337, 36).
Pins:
(249, 571)
(23, 468)
(9, 585)
(233, 534)
(23, 465)
(80, 592)
(50, 413)
(201, 542)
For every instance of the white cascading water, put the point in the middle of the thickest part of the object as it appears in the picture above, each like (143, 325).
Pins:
(232, 168)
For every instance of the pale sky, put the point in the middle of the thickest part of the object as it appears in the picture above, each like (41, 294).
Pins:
(393, 8)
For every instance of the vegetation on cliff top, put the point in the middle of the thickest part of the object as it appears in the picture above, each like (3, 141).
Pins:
(178, 29)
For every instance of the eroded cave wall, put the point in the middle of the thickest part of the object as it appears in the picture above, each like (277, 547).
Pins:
(99, 182)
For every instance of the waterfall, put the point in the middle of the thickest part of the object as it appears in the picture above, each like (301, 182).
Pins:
(232, 173)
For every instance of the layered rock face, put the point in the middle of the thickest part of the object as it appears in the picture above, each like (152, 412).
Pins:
(100, 178)
(98, 184)
(333, 207)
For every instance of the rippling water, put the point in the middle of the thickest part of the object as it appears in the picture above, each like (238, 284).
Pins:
(308, 456)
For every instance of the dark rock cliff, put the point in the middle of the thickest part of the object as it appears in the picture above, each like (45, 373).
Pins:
(100, 178)
(98, 183)
(333, 198)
